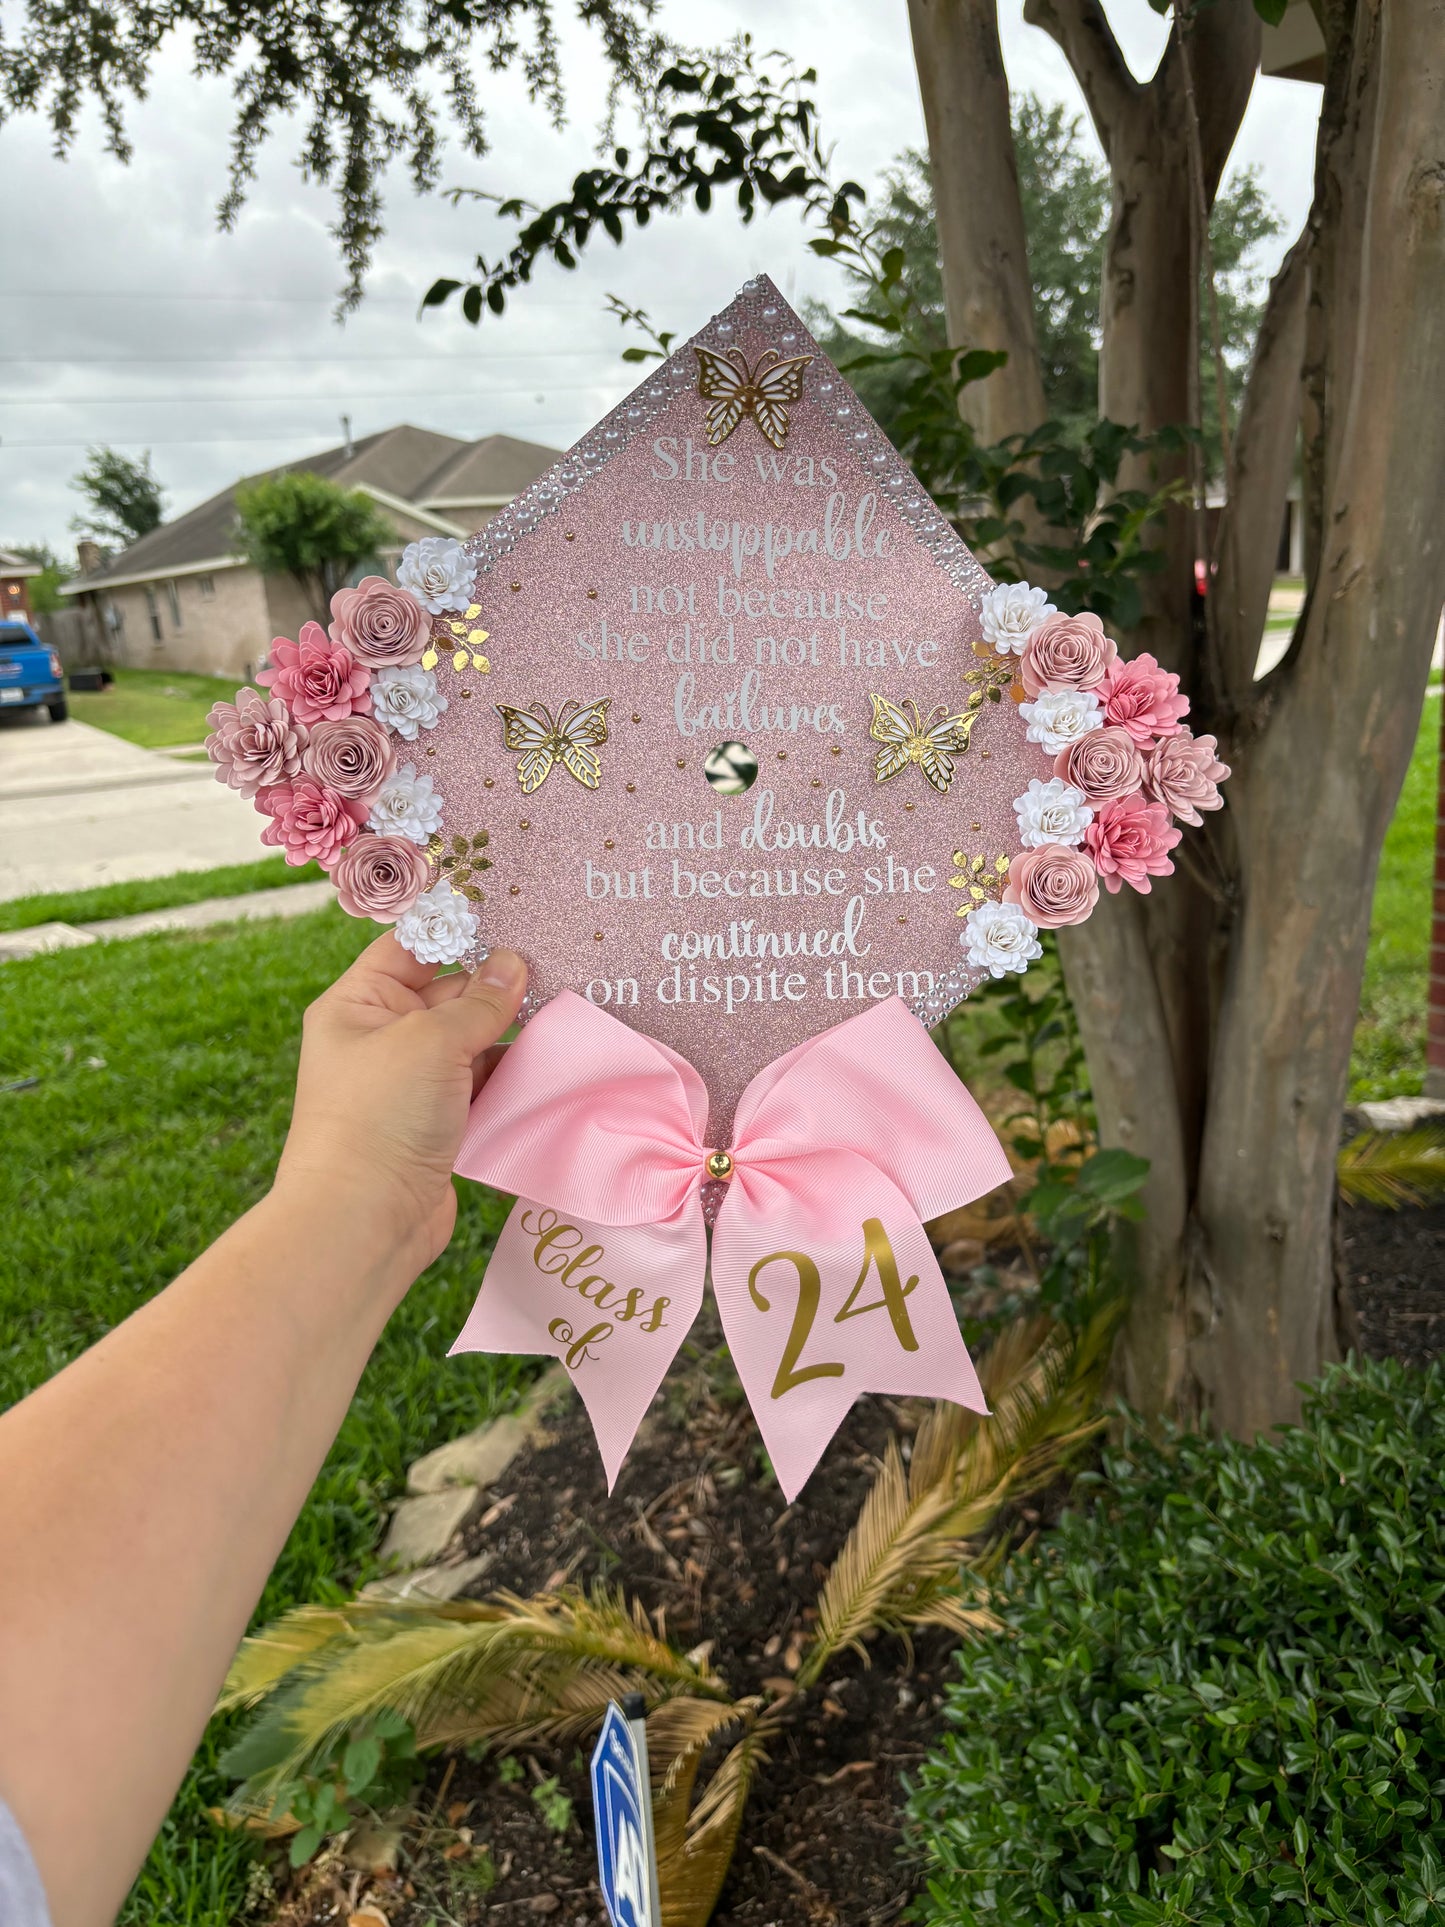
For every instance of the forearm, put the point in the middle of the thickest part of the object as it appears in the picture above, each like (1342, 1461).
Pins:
(150, 1488)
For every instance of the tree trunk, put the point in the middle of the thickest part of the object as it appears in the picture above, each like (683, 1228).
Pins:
(1218, 1013)
(987, 294)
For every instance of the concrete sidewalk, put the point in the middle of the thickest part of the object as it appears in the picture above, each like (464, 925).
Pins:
(80, 807)
(290, 900)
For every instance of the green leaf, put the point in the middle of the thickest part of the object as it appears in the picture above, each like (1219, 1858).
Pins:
(1112, 1175)
(1271, 12)
(304, 1844)
(438, 292)
(359, 1764)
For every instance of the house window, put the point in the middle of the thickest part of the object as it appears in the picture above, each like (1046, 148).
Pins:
(173, 597)
(114, 617)
(207, 586)
(153, 610)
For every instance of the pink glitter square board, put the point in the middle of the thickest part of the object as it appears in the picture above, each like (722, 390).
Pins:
(751, 591)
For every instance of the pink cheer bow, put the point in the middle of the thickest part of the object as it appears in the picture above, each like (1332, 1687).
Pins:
(824, 1276)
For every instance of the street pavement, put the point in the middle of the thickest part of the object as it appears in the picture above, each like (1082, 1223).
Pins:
(80, 807)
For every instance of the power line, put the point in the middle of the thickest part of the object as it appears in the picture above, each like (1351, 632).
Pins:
(245, 397)
(331, 361)
(91, 297)
(207, 441)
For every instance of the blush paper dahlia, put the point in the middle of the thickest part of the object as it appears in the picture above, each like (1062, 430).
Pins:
(723, 727)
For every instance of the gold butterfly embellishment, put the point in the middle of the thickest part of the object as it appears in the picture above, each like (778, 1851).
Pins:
(913, 739)
(570, 738)
(764, 391)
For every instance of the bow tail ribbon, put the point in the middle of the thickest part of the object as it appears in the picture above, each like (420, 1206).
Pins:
(825, 1280)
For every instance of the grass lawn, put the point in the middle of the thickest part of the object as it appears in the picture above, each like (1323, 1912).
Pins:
(155, 893)
(157, 708)
(166, 1067)
(1389, 1054)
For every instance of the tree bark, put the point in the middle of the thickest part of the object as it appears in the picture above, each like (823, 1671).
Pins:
(1218, 1012)
(1148, 352)
(988, 297)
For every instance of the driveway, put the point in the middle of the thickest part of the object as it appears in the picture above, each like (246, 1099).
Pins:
(79, 807)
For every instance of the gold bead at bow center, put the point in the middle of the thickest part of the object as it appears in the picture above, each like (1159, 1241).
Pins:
(719, 1164)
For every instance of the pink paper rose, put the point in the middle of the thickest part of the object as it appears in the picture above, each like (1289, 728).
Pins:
(353, 757)
(254, 742)
(1184, 774)
(1143, 698)
(1130, 840)
(1105, 764)
(1052, 885)
(1066, 652)
(380, 877)
(309, 822)
(318, 680)
(381, 625)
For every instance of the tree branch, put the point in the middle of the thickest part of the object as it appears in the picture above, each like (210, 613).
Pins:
(1258, 482)
(1083, 35)
(1224, 45)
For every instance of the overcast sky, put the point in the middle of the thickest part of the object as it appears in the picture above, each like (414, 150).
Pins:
(128, 318)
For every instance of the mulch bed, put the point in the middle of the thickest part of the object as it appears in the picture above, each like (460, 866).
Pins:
(1396, 1265)
(699, 1533)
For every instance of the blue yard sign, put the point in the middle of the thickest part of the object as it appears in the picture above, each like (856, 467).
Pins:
(622, 1808)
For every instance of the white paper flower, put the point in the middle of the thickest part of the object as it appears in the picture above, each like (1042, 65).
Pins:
(998, 938)
(406, 700)
(439, 928)
(406, 805)
(1056, 719)
(1052, 812)
(1009, 612)
(437, 572)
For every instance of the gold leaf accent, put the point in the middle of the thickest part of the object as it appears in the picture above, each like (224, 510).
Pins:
(980, 876)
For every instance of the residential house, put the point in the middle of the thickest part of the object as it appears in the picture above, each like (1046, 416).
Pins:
(15, 574)
(181, 598)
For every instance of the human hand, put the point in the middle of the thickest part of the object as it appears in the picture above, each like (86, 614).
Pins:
(391, 1057)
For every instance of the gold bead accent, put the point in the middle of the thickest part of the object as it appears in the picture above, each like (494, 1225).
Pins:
(635, 717)
(465, 694)
(515, 891)
(817, 782)
(489, 782)
(719, 1164)
(525, 824)
(516, 587)
(682, 762)
(431, 752)
(591, 595)
(596, 936)
(987, 754)
(908, 806)
(903, 919)
(782, 756)
(632, 789)
(608, 844)
(975, 826)
(836, 748)
(569, 535)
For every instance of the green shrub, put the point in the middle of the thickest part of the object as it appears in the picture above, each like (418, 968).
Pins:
(1218, 1697)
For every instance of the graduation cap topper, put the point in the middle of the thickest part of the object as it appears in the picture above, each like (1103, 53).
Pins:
(723, 727)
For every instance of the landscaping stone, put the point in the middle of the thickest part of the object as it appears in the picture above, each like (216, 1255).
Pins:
(422, 1529)
(16, 945)
(476, 1458)
(430, 1582)
(1401, 1113)
(481, 1457)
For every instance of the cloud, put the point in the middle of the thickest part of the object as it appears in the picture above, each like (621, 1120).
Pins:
(126, 317)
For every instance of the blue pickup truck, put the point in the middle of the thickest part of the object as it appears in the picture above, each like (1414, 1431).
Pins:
(30, 672)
